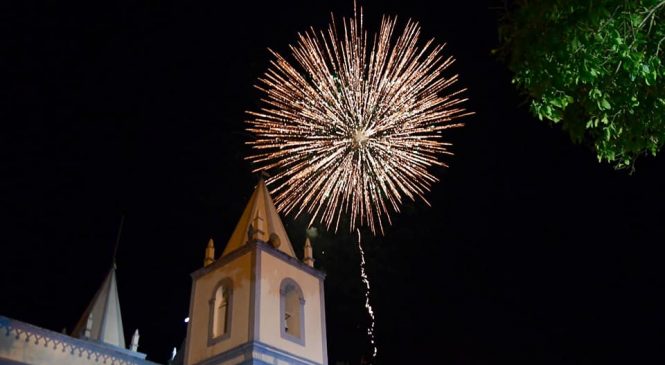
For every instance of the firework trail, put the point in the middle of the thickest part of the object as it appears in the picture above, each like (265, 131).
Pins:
(368, 306)
(353, 125)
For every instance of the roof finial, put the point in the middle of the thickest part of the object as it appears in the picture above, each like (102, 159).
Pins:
(210, 253)
(262, 175)
(117, 240)
(135, 341)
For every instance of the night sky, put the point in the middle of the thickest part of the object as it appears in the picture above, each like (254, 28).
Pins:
(532, 251)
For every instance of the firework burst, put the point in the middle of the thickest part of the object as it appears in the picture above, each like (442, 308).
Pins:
(354, 125)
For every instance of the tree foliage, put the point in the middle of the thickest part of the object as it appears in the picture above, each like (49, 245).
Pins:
(595, 67)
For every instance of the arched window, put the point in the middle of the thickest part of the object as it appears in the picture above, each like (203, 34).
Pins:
(220, 311)
(292, 311)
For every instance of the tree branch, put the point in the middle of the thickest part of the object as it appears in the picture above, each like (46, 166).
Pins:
(651, 13)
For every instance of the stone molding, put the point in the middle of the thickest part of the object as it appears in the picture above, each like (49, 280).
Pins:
(99, 353)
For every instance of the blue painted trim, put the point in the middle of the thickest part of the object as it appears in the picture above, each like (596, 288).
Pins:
(248, 349)
(252, 295)
(255, 362)
(256, 248)
(11, 362)
(279, 354)
(61, 342)
(323, 321)
(244, 349)
(256, 328)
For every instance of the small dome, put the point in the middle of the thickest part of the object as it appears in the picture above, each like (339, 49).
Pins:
(274, 240)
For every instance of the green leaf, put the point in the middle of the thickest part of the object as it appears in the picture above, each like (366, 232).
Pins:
(588, 66)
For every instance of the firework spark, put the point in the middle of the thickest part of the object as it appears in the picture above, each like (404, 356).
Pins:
(354, 125)
(368, 305)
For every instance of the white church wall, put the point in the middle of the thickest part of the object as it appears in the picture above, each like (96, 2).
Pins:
(273, 270)
(27, 344)
(200, 346)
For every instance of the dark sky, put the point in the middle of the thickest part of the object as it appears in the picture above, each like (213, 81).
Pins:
(532, 252)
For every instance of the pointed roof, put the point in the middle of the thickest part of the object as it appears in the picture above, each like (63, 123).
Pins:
(260, 220)
(106, 318)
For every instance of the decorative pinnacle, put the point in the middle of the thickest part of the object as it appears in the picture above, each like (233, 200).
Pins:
(308, 259)
(210, 253)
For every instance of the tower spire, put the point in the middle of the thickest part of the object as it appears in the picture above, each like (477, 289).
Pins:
(258, 302)
(259, 222)
(102, 320)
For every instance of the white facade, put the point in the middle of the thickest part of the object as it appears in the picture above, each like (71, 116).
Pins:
(22, 343)
(257, 304)
(201, 343)
(97, 339)
(274, 270)
(276, 303)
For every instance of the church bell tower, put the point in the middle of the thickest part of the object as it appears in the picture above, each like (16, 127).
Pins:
(257, 303)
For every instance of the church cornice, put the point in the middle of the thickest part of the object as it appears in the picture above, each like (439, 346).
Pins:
(260, 246)
(250, 349)
(101, 353)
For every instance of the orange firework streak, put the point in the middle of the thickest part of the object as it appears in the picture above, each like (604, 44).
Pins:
(353, 127)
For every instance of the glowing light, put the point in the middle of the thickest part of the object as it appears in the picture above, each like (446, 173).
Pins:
(354, 125)
(368, 306)
(187, 320)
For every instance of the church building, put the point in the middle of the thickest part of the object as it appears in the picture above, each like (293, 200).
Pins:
(255, 304)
